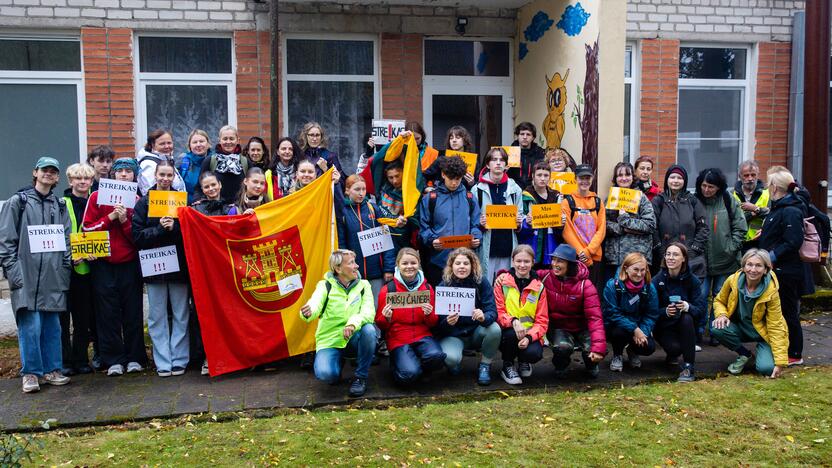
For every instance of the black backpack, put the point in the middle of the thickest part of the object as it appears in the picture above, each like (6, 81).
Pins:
(328, 286)
(573, 207)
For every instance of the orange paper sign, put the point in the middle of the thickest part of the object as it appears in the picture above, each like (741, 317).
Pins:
(165, 202)
(546, 215)
(469, 158)
(513, 155)
(455, 242)
(501, 217)
(563, 182)
(623, 199)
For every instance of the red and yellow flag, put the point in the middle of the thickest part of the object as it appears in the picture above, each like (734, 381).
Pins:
(251, 274)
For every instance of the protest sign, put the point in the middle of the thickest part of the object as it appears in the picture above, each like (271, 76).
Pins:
(376, 240)
(455, 242)
(501, 217)
(469, 158)
(46, 238)
(563, 182)
(384, 131)
(623, 199)
(117, 192)
(86, 244)
(460, 301)
(406, 300)
(163, 203)
(159, 261)
(546, 215)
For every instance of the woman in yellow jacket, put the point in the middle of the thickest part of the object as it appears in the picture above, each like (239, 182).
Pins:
(747, 309)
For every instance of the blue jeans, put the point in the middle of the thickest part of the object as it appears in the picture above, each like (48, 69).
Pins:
(39, 340)
(709, 284)
(171, 347)
(411, 360)
(485, 339)
(362, 343)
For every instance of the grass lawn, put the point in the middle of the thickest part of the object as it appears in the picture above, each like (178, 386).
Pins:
(727, 421)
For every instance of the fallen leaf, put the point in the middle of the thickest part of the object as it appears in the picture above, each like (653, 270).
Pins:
(790, 438)
(386, 457)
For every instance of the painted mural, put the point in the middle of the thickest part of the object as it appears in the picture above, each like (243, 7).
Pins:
(554, 125)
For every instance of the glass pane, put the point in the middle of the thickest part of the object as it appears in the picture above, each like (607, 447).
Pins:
(314, 57)
(182, 108)
(467, 58)
(33, 55)
(344, 109)
(712, 63)
(36, 120)
(627, 91)
(697, 155)
(710, 113)
(628, 62)
(482, 116)
(184, 54)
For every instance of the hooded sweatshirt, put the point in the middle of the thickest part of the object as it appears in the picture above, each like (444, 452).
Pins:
(498, 242)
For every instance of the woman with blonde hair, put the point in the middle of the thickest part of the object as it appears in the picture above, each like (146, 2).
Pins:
(228, 163)
(313, 142)
(189, 163)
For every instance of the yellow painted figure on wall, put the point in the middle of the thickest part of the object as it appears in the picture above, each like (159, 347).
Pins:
(554, 125)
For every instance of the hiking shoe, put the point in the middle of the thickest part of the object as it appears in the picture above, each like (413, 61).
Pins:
(30, 383)
(115, 370)
(204, 370)
(484, 374)
(795, 361)
(133, 367)
(55, 378)
(633, 358)
(736, 367)
(177, 370)
(617, 363)
(526, 369)
(163, 373)
(358, 387)
(510, 375)
(687, 374)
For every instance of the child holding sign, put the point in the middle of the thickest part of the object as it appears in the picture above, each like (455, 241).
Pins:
(543, 240)
(170, 343)
(457, 140)
(627, 231)
(34, 240)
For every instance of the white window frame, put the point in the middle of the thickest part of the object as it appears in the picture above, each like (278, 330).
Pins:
(143, 79)
(55, 78)
(287, 77)
(635, 109)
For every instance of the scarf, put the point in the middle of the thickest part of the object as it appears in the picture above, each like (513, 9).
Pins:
(285, 176)
(409, 285)
(634, 287)
(253, 202)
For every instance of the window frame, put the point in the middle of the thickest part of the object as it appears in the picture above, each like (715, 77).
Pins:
(143, 79)
(634, 80)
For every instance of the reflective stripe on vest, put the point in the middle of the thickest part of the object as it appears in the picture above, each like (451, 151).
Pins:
(527, 311)
(269, 186)
(82, 268)
(755, 224)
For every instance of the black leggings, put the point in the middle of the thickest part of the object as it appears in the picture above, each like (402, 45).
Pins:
(790, 304)
(677, 337)
(620, 338)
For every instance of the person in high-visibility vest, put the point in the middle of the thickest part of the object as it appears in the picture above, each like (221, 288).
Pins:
(753, 197)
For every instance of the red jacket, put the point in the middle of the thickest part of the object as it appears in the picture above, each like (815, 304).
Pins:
(406, 326)
(96, 218)
(541, 315)
(574, 306)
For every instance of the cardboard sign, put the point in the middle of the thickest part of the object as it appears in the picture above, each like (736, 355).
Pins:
(564, 182)
(289, 284)
(455, 242)
(406, 300)
(114, 192)
(623, 199)
(375, 241)
(159, 261)
(46, 238)
(469, 158)
(501, 217)
(513, 155)
(86, 244)
(163, 203)
(546, 215)
(460, 301)
(384, 131)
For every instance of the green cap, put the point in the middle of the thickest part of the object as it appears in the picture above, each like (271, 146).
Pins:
(46, 161)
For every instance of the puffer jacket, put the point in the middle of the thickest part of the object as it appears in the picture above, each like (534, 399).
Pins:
(686, 286)
(466, 326)
(726, 234)
(454, 215)
(574, 306)
(147, 172)
(190, 167)
(345, 306)
(630, 232)
(37, 281)
(357, 218)
(505, 280)
(782, 236)
(149, 234)
(627, 310)
(482, 195)
(407, 325)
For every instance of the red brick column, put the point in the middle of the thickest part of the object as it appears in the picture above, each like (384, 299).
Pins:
(108, 85)
(772, 114)
(401, 76)
(659, 103)
(253, 84)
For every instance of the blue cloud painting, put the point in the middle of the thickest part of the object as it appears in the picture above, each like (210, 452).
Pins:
(573, 20)
(539, 25)
(524, 49)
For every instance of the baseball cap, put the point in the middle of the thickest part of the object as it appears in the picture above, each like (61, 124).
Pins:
(46, 161)
(583, 170)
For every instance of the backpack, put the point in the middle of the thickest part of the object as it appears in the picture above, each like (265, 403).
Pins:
(810, 250)
(22, 205)
(574, 208)
(432, 203)
(820, 221)
(328, 286)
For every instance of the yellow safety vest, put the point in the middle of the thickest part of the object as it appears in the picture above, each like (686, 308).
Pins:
(82, 268)
(525, 312)
(269, 185)
(755, 224)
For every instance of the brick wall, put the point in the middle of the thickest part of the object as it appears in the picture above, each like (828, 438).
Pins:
(401, 76)
(772, 110)
(659, 102)
(253, 84)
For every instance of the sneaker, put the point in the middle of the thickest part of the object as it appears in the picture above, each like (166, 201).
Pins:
(633, 358)
(115, 369)
(30, 383)
(736, 367)
(163, 373)
(134, 367)
(526, 369)
(617, 363)
(795, 361)
(687, 374)
(204, 370)
(484, 374)
(510, 375)
(55, 378)
(177, 370)
(698, 348)
(382, 348)
(358, 387)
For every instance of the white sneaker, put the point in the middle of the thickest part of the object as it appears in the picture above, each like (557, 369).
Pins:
(55, 378)
(510, 375)
(115, 369)
(617, 363)
(698, 348)
(204, 367)
(526, 369)
(30, 383)
(134, 367)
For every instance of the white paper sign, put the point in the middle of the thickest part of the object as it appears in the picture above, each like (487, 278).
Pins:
(460, 301)
(46, 238)
(385, 131)
(113, 192)
(289, 284)
(159, 261)
(376, 240)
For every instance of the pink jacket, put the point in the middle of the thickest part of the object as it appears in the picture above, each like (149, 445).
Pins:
(574, 306)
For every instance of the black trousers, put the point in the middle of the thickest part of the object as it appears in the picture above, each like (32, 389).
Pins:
(510, 351)
(620, 338)
(677, 337)
(118, 309)
(76, 325)
(790, 288)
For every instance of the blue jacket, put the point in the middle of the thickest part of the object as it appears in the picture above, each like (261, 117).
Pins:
(359, 218)
(629, 311)
(686, 286)
(454, 215)
(189, 169)
(466, 326)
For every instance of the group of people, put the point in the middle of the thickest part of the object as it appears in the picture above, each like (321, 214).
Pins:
(657, 267)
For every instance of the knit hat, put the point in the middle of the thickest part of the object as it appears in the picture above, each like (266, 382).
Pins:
(125, 163)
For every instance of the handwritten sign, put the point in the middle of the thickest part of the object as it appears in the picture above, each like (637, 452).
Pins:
(460, 301)
(46, 238)
(623, 199)
(469, 158)
(86, 244)
(546, 215)
(159, 261)
(406, 300)
(455, 242)
(163, 203)
(117, 192)
(501, 216)
(513, 155)
(384, 131)
(289, 284)
(564, 182)
(375, 241)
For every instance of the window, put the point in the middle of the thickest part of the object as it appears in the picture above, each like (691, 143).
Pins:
(467, 58)
(713, 91)
(184, 83)
(42, 111)
(629, 104)
(333, 82)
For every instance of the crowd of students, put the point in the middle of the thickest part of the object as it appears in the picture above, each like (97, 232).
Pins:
(631, 278)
